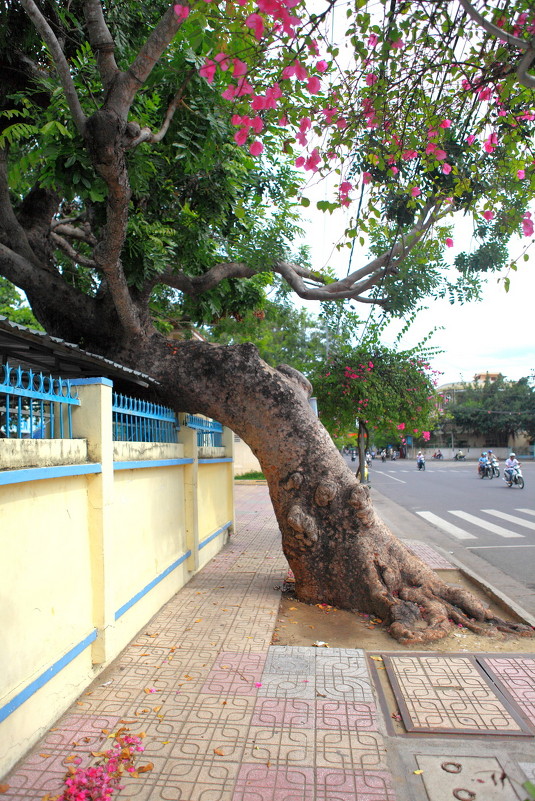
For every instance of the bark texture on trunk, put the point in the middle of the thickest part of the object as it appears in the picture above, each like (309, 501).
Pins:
(340, 552)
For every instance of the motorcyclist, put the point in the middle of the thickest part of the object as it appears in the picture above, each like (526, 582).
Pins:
(482, 462)
(459, 456)
(420, 459)
(510, 463)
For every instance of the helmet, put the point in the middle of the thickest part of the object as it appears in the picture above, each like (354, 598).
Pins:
(512, 455)
(484, 453)
(490, 450)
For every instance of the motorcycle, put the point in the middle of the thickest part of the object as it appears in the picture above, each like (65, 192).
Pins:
(513, 475)
(421, 463)
(459, 457)
(485, 471)
(495, 468)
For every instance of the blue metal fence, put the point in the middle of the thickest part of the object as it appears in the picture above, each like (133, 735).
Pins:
(34, 405)
(137, 420)
(209, 432)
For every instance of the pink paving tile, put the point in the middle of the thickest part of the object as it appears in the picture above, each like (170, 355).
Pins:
(235, 673)
(348, 785)
(263, 783)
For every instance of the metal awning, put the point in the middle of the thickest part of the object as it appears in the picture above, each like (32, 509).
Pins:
(41, 352)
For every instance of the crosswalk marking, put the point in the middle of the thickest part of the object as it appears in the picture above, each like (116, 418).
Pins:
(526, 511)
(449, 528)
(490, 527)
(510, 518)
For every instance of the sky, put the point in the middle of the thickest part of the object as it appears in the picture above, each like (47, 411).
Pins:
(496, 334)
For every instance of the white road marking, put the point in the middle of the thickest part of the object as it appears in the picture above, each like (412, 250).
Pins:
(526, 511)
(483, 547)
(449, 528)
(510, 518)
(489, 527)
(382, 473)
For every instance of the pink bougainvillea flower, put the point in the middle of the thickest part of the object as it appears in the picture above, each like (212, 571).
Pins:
(257, 124)
(305, 124)
(488, 215)
(341, 123)
(313, 161)
(400, 427)
(240, 137)
(521, 174)
(372, 40)
(416, 191)
(446, 168)
(485, 93)
(431, 147)
(409, 154)
(283, 121)
(181, 11)
(527, 224)
(256, 148)
(256, 23)
(300, 160)
(426, 435)
(366, 177)
(345, 187)
(314, 85)
(449, 242)
(445, 124)
(208, 70)
(240, 68)
(223, 61)
(229, 93)
(470, 139)
(329, 114)
(371, 79)
(258, 684)
(398, 44)
(394, 170)
(322, 66)
(440, 155)
(243, 87)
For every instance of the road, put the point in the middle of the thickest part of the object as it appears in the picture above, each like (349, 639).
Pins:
(485, 516)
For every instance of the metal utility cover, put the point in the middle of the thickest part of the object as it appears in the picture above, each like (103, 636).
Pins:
(464, 779)
(450, 695)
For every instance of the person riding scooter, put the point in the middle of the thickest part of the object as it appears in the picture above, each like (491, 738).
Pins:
(510, 465)
(482, 463)
(420, 461)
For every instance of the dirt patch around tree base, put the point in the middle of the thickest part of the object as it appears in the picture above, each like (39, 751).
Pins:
(323, 626)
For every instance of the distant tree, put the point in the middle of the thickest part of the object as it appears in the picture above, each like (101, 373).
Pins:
(283, 334)
(372, 387)
(13, 306)
(497, 410)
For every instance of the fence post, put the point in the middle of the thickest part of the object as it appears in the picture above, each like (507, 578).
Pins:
(92, 420)
(188, 438)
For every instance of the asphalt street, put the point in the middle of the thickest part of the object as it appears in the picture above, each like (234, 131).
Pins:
(484, 516)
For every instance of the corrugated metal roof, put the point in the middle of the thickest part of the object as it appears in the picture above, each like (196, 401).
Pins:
(38, 350)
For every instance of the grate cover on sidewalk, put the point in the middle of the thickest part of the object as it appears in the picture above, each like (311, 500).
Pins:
(450, 695)
(465, 778)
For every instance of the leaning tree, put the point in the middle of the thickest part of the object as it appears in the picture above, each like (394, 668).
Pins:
(150, 154)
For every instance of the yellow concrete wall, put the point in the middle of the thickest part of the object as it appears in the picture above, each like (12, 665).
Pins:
(244, 459)
(88, 559)
(215, 506)
(45, 603)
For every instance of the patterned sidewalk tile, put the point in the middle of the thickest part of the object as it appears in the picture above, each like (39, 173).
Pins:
(448, 694)
(517, 677)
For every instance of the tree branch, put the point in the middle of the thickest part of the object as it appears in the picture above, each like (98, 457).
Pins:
(147, 58)
(69, 251)
(101, 41)
(83, 234)
(60, 62)
(146, 135)
(9, 225)
(510, 39)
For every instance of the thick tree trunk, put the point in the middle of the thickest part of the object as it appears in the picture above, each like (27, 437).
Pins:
(339, 550)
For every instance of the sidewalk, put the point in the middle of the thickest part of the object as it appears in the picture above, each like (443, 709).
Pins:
(229, 717)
